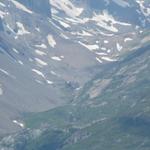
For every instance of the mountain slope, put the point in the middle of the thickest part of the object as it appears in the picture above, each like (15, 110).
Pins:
(115, 116)
(73, 65)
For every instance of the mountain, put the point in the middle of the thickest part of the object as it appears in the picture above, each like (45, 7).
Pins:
(110, 112)
(74, 74)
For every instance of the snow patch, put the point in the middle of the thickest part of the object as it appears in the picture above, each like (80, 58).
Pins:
(38, 81)
(1, 90)
(122, 3)
(119, 47)
(108, 59)
(67, 7)
(51, 41)
(19, 123)
(65, 25)
(64, 36)
(106, 42)
(40, 62)
(90, 47)
(2, 14)
(37, 29)
(99, 60)
(49, 82)
(22, 29)
(101, 54)
(16, 51)
(5, 72)
(127, 39)
(82, 33)
(56, 58)
(38, 73)
(103, 48)
(21, 7)
(144, 10)
(107, 21)
(54, 73)
(39, 52)
(41, 46)
(20, 62)
(3, 5)
(102, 20)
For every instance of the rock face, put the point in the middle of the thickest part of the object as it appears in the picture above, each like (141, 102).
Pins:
(1, 25)
(41, 6)
(123, 10)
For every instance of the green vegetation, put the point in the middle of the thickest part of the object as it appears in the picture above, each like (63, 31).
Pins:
(117, 118)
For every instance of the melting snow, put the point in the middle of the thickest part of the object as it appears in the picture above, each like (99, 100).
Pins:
(21, 7)
(51, 41)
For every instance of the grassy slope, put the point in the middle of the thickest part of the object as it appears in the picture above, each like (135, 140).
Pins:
(121, 123)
